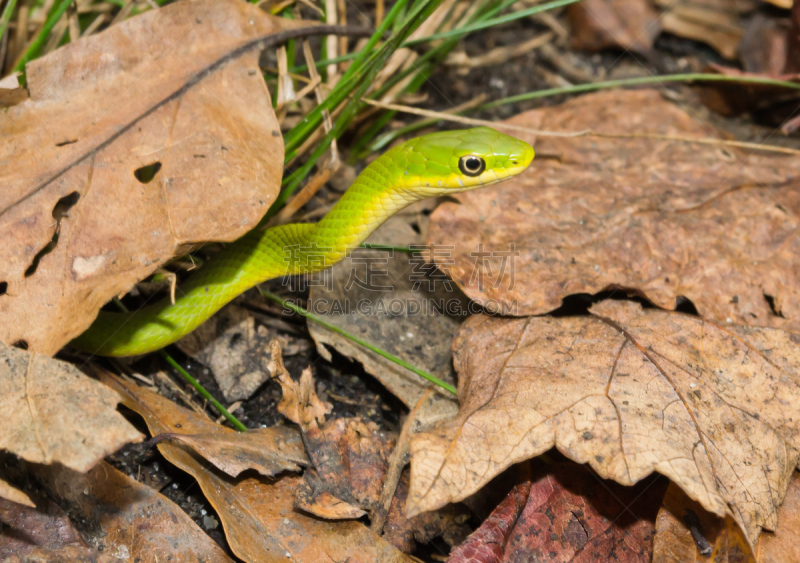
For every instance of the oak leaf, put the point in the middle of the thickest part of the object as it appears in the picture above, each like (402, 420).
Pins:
(131, 144)
(670, 219)
(628, 391)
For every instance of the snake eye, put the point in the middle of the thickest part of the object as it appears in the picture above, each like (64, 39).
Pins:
(471, 165)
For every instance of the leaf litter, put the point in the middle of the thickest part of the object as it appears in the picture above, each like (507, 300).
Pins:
(564, 513)
(399, 291)
(671, 219)
(54, 413)
(686, 533)
(257, 513)
(222, 450)
(269, 450)
(630, 391)
(108, 173)
(117, 519)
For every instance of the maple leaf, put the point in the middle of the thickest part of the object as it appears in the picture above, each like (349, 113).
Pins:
(628, 391)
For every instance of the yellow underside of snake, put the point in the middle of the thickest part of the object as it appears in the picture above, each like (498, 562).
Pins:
(431, 165)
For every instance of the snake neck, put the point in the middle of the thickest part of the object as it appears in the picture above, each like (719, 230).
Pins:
(366, 205)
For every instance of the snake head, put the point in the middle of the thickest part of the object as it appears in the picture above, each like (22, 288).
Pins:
(455, 161)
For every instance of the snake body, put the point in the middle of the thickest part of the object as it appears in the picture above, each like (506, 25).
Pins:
(427, 166)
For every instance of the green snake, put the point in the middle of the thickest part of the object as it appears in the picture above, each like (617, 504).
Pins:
(431, 165)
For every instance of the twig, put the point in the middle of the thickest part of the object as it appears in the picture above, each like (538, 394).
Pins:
(397, 461)
(500, 54)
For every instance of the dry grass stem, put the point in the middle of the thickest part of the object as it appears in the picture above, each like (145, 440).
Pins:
(306, 193)
(500, 54)
(584, 133)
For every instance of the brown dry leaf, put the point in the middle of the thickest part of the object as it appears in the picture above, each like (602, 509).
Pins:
(782, 546)
(685, 533)
(566, 514)
(450, 522)
(768, 103)
(299, 402)
(236, 351)
(267, 450)
(10, 91)
(54, 413)
(7, 492)
(693, 20)
(668, 218)
(101, 109)
(349, 458)
(257, 513)
(764, 45)
(628, 391)
(770, 49)
(398, 302)
(126, 519)
(626, 24)
(793, 41)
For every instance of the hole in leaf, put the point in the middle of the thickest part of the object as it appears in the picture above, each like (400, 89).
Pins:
(60, 210)
(685, 305)
(771, 302)
(67, 142)
(63, 205)
(21, 344)
(3, 288)
(145, 174)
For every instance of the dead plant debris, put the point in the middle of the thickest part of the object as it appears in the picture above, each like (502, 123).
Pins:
(629, 391)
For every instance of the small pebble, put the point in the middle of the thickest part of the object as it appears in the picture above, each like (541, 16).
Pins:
(210, 523)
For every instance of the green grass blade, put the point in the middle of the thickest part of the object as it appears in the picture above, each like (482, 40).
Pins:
(6, 17)
(390, 136)
(193, 382)
(688, 77)
(38, 42)
(491, 22)
(383, 353)
(202, 390)
(356, 87)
